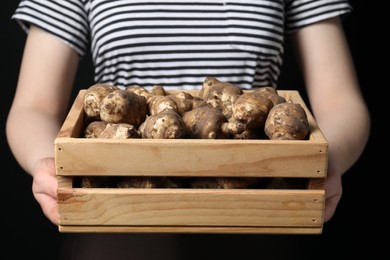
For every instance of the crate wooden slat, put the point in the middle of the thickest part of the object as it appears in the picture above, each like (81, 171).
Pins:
(191, 157)
(191, 207)
(184, 229)
(189, 210)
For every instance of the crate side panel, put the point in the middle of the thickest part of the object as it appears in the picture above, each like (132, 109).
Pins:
(191, 158)
(316, 184)
(65, 181)
(74, 123)
(162, 207)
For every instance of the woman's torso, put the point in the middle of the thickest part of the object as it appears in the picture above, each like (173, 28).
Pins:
(178, 43)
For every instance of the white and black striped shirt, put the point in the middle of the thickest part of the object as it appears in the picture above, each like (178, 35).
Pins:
(177, 43)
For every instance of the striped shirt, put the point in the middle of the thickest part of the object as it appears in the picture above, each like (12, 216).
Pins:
(177, 43)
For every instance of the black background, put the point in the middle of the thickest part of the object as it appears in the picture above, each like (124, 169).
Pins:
(353, 229)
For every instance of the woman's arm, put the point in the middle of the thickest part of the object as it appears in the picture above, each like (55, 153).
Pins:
(335, 99)
(40, 104)
(45, 82)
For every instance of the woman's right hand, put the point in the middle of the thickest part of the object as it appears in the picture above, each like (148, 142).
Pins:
(44, 188)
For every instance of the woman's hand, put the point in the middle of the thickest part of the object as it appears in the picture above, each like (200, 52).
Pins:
(44, 188)
(333, 192)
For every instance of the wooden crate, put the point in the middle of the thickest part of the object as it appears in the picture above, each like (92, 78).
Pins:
(276, 211)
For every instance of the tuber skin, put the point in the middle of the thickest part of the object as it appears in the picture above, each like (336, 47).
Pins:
(207, 122)
(186, 102)
(251, 133)
(252, 110)
(270, 93)
(150, 182)
(96, 182)
(287, 121)
(156, 99)
(172, 182)
(158, 90)
(139, 90)
(119, 131)
(122, 106)
(220, 95)
(138, 182)
(232, 128)
(164, 125)
(93, 98)
(223, 183)
(94, 129)
(158, 103)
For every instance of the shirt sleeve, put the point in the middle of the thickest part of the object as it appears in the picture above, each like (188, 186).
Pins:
(300, 13)
(66, 20)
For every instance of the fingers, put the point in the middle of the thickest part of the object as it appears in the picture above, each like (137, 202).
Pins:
(44, 188)
(49, 206)
(330, 207)
(333, 192)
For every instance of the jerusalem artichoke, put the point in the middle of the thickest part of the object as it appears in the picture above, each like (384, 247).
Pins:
(287, 121)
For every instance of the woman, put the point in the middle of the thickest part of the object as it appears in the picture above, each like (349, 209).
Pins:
(176, 44)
